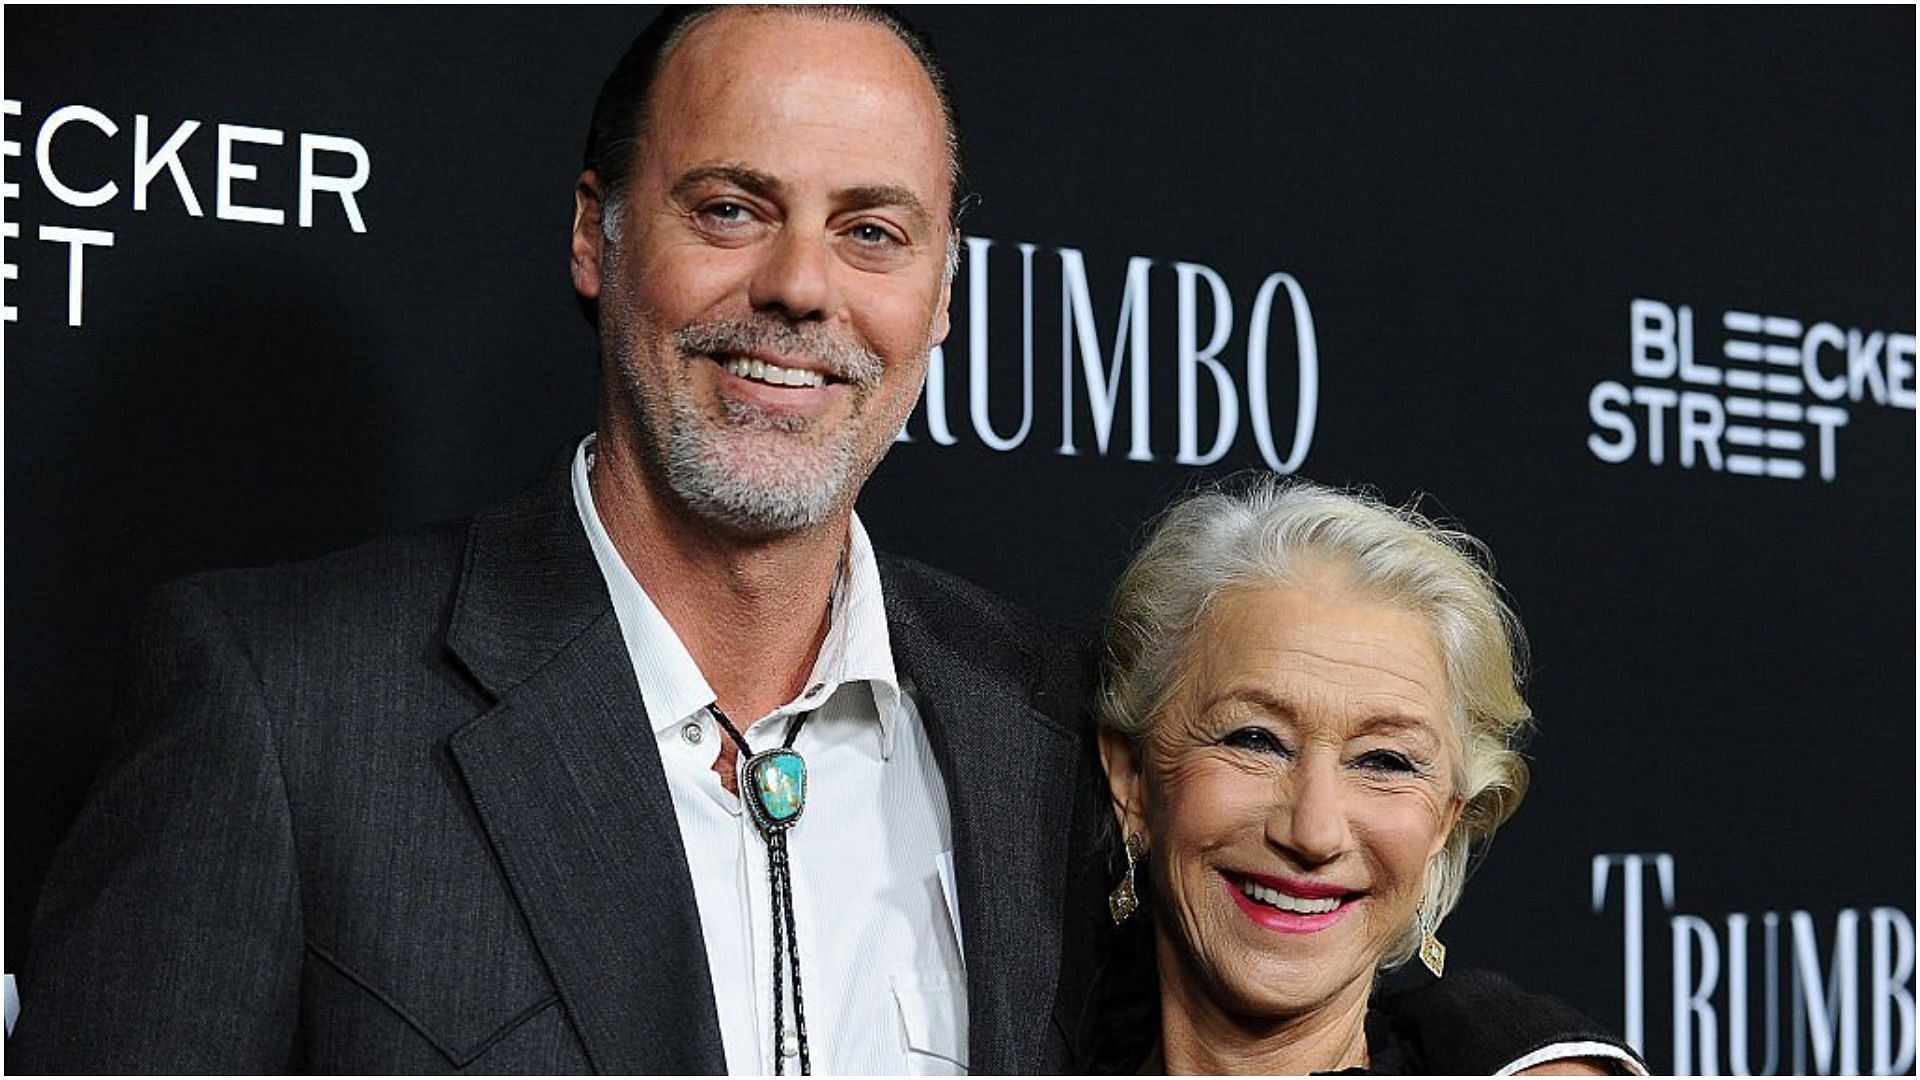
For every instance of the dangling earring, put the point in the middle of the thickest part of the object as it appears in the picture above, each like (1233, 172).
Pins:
(1123, 901)
(1432, 953)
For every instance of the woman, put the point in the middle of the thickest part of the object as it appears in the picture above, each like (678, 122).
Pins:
(1310, 715)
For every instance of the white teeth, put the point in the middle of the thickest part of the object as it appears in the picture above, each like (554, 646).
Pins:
(1297, 904)
(773, 374)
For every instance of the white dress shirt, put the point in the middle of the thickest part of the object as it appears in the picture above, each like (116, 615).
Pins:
(874, 898)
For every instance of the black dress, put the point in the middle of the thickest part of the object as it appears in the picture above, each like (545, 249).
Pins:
(1470, 1022)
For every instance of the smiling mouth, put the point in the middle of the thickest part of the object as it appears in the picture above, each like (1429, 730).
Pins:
(769, 374)
(1326, 899)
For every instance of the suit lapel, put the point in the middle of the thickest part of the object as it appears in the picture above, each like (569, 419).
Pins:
(1009, 773)
(566, 780)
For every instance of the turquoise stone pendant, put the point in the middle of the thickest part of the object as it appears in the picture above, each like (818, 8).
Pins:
(777, 780)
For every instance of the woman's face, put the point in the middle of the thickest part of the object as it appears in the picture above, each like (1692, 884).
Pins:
(1292, 796)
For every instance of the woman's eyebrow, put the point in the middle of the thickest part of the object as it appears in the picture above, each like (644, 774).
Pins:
(1259, 697)
(1397, 723)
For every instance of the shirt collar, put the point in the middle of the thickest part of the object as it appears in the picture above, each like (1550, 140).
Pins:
(857, 648)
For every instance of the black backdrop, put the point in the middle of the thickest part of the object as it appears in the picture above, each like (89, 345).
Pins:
(1467, 206)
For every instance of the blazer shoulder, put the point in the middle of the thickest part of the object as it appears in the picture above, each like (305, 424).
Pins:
(994, 632)
(365, 609)
(934, 599)
(380, 570)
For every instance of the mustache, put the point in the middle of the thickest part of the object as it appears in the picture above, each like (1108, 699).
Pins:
(843, 360)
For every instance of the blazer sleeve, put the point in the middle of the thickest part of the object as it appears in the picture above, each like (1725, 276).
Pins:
(168, 935)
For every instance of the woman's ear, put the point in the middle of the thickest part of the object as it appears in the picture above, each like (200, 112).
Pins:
(1121, 759)
(1448, 820)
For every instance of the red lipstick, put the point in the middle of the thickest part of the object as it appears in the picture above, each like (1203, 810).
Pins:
(1289, 922)
(1300, 887)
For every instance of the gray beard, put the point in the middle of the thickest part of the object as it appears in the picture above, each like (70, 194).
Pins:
(754, 473)
(698, 464)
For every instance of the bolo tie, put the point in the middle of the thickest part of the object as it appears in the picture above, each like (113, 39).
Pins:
(774, 788)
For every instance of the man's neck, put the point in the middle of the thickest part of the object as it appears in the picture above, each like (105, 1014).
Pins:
(751, 613)
(1200, 1038)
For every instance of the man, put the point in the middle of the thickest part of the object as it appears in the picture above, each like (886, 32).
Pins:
(467, 800)
(656, 768)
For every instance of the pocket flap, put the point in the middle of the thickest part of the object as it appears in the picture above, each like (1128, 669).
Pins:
(933, 1013)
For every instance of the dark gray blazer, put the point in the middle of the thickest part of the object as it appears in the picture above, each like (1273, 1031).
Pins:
(400, 810)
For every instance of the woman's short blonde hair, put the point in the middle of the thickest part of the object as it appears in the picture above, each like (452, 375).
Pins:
(1267, 531)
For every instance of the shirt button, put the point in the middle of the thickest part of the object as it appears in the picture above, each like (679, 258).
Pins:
(691, 734)
(790, 1044)
(815, 689)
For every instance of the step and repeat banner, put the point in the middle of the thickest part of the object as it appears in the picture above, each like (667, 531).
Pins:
(1628, 295)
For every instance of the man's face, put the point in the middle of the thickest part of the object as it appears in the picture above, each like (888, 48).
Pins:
(778, 279)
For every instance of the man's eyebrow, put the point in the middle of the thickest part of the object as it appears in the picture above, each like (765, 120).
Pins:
(750, 180)
(767, 186)
(868, 196)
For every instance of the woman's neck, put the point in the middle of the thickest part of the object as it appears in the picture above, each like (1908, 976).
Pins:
(1198, 1037)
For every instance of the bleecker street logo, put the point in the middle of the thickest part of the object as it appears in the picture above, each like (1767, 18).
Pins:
(157, 165)
(1771, 403)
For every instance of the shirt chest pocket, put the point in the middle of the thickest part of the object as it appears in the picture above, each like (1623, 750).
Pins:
(933, 1023)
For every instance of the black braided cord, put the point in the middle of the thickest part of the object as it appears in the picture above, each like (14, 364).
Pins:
(780, 893)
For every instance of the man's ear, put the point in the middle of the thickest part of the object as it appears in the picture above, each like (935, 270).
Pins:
(942, 325)
(587, 239)
(1125, 781)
